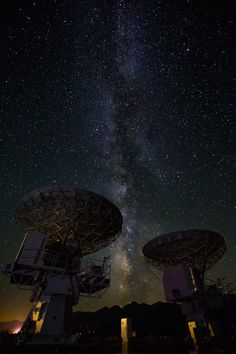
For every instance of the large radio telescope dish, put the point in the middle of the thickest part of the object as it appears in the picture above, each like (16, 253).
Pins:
(199, 248)
(71, 216)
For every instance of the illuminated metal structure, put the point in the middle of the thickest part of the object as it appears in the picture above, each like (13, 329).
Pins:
(63, 225)
(184, 257)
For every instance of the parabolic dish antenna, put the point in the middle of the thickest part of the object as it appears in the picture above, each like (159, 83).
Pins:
(199, 248)
(62, 225)
(71, 217)
(184, 257)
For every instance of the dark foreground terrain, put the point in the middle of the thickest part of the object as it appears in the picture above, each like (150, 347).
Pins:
(156, 329)
(114, 346)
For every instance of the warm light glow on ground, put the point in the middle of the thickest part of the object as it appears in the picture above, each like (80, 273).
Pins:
(16, 330)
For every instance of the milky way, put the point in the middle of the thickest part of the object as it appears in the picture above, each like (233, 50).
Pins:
(129, 99)
(124, 150)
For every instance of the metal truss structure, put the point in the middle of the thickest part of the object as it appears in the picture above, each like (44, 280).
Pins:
(184, 257)
(63, 225)
(80, 220)
(198, 248)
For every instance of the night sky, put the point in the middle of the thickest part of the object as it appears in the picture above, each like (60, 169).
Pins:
(131, 99)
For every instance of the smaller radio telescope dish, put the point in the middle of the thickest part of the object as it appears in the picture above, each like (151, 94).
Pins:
(199, 248)
(76, 219)
(184, 257)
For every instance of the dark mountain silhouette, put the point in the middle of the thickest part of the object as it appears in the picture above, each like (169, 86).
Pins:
(164, 319)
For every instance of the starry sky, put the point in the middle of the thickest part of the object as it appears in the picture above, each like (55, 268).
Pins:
(133, 100)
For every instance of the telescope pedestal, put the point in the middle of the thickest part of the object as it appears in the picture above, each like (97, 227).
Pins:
(182, 284)
(49, 319)
(56, 283)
